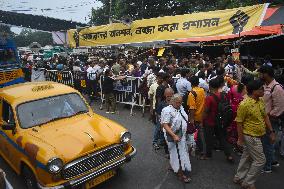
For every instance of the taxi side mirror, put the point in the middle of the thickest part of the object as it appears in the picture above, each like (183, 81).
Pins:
(8, 126)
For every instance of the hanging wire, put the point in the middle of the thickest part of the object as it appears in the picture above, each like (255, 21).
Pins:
(62, 8)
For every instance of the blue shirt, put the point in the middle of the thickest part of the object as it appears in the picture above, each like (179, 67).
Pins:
(183, 86)
(59, 67)
(267, 64)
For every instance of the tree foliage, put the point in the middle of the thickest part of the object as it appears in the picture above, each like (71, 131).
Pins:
(27, 36)
(6, 29)
(139, 9)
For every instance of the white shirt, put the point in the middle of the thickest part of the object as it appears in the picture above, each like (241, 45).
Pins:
(98, 69)
(183, 85)
(267, 64)
(151, 79)
(197, 73)
(224, 89)
(152, 91)
(230, 70)
(91, 73)
(105, 68)
(203, 84)
(148, 71)
(139, 63)
(76, 69)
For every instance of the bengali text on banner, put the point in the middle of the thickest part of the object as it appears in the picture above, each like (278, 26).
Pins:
(214, 23)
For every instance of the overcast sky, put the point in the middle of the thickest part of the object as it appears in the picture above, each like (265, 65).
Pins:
(76, 10)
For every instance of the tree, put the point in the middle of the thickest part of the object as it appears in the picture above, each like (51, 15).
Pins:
(6, 29)
(139, 9)
(27, 36)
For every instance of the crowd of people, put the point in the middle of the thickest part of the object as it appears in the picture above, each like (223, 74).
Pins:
(241, 110)
(198, 104)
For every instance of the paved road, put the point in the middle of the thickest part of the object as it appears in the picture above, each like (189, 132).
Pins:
(149, 168)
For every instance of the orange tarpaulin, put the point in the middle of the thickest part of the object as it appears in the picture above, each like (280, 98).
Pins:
(259, 30)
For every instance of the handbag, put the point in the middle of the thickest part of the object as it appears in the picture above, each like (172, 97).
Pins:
(178, 133)
(190, 129)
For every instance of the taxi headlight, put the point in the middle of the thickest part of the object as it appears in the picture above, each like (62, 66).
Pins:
(54, 165)
(125, 137)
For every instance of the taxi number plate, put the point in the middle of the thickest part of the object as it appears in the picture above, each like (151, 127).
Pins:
(100, 179)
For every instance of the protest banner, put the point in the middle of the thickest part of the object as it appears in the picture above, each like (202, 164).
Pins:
(213, 23)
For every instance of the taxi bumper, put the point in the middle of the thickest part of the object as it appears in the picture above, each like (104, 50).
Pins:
(79, 181)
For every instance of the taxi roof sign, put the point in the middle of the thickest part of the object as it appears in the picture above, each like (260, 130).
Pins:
(42, 88)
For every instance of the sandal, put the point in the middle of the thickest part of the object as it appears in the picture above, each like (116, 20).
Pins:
(170, 168)
(230, 159)
(236, 180)
(203, 157)
(246, 186)
(183, 178)
(186, 179)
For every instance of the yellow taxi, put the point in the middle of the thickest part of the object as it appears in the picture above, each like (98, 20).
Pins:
(51, 136)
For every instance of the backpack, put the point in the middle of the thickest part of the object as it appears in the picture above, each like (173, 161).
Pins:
(185, 98)
(224, 115)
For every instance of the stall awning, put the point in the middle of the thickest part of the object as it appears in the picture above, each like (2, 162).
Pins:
(257, 31)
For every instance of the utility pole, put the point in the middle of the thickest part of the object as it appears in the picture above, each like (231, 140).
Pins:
(142, 10)
(110, 16)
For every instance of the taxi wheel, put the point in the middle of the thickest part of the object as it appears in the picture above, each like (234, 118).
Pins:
(29, 178)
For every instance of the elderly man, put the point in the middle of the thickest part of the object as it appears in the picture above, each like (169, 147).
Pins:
(174, 122)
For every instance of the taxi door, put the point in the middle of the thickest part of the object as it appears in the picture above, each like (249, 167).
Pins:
(8, 135)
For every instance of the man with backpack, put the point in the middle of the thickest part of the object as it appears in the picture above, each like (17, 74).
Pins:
(160, 98)
(162, 87)
(195, 103)
(216, 118)
(274, 107)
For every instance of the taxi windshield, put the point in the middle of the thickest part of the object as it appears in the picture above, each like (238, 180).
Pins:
(49, 109)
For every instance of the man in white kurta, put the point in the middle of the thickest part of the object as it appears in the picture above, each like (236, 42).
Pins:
(172, 117)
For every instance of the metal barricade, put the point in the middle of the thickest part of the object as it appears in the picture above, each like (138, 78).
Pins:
(80, 81)
(64, 77)
(127, 92)
(38, 74)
